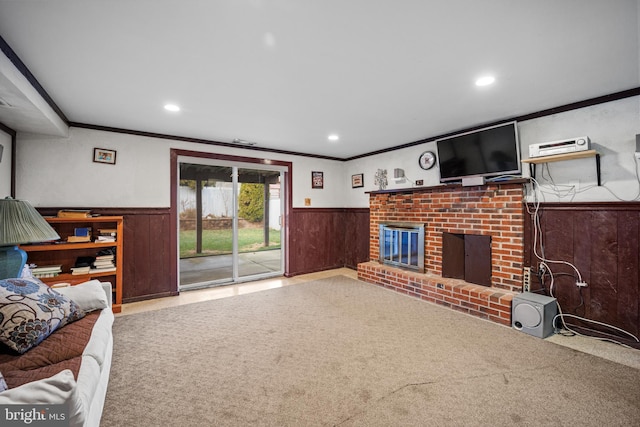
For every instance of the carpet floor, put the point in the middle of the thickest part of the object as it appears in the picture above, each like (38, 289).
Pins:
(340, 352)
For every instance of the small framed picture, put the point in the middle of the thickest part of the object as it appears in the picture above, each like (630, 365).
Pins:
(317, 179)
(101, 155)
(357, 180)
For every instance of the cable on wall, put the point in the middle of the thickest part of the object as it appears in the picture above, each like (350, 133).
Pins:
(544, 264)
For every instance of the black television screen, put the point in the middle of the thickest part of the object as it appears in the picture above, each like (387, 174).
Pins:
(492, 151)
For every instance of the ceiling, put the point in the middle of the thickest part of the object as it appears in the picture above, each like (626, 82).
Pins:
(288, 73)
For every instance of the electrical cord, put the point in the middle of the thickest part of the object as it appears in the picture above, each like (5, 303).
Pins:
(564, 324)
(572, 191)
(544, 263)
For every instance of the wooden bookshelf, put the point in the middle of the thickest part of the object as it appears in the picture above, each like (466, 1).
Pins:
(66, 254)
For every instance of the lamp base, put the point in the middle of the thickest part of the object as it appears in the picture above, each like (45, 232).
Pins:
(12, 261)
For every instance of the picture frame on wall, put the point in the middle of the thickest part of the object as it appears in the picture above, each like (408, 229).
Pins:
(357, 180)
(317, 179)
(102, 155)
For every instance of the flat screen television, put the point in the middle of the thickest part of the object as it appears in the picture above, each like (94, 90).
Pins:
(487, 152)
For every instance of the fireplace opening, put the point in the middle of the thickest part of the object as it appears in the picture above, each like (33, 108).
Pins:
(402, 245)
(467, 257)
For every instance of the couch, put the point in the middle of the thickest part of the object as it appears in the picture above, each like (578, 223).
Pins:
(69, 360)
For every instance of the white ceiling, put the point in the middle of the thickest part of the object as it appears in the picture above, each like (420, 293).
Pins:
(287, 73)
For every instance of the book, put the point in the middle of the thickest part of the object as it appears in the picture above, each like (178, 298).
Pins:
(80, 270)
(46, 271)
(78, 239)
(102, 270)
(45, 268)
(108, 231)
(74, 213)
(82, 231)
(103, 264)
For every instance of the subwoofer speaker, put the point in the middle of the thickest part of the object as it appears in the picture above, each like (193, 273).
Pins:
(533, 314)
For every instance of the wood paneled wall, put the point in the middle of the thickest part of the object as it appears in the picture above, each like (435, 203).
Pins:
(149, 270)
(320, 239)
(325, 238)
(602, 240)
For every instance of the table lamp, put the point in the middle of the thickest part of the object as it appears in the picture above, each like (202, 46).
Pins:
(19, 223)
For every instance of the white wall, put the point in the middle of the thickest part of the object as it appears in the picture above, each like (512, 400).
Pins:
(612, 128)
(59, 171)
(5, 165)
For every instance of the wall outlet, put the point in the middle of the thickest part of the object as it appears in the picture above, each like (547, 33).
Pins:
(526, 279)
(419, 182)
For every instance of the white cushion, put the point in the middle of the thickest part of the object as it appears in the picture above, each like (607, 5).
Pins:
(54, 390)
(101, 335)
(88, 295)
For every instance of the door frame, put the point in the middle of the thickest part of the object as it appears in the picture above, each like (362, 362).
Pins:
(173, 209)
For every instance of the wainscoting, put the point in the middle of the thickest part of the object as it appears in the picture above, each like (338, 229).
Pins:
(326, 238)
(602, 241)
(149, 270)
(319, 239)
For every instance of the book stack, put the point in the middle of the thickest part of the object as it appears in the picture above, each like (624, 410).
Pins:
(103, 263)
(81, 234)
(106, 235)
(46, 271)
(82, 265)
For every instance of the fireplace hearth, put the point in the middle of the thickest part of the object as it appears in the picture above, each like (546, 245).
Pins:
(491, 214)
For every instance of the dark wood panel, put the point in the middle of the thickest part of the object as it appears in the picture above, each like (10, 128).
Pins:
(317, 240)
(602, 240)
(628, 302)
(604, 267)
(147, 251)
(356, 241)
(453, 256)
(477, 259)
(578, 303)
(326, 238)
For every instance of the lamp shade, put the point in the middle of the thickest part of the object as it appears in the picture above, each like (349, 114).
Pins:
(21, 223)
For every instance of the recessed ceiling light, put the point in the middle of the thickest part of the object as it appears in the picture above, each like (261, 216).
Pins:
(171, 107)
(333, 137)
(485, 81)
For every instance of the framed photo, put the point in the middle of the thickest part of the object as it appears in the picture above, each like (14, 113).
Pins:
(317, 179)
(357, 180)
(101, 155)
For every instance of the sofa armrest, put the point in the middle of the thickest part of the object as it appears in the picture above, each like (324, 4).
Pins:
(106, 286)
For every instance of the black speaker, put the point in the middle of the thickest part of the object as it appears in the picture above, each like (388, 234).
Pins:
(533, 314)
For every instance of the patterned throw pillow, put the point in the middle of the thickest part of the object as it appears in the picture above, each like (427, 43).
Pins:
(30, 311)
(3, 384)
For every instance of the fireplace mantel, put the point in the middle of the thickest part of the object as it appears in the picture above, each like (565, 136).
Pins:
(450, 185)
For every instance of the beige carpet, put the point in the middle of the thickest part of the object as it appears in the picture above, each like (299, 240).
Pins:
(339, 352)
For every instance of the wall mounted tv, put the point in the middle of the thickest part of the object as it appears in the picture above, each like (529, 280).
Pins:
(487, 152)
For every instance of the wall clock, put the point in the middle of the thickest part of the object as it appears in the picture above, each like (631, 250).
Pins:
(427, 160)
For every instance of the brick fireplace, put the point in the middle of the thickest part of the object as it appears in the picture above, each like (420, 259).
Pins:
(495, 211)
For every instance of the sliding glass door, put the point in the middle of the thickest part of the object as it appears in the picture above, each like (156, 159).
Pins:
(229, 222)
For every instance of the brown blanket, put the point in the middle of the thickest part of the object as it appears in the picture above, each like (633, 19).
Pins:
(61, 350)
